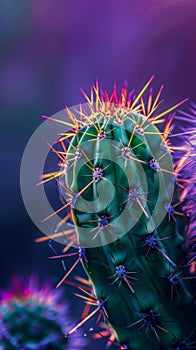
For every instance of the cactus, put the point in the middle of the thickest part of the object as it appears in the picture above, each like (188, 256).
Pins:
(124, 184)
(34, 318)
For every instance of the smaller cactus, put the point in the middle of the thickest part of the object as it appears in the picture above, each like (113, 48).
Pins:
(32, 318)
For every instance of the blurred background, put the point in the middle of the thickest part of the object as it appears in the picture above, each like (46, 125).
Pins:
(51, 49)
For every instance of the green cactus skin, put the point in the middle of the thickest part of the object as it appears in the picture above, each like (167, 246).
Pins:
(139, 274)
(138, 286)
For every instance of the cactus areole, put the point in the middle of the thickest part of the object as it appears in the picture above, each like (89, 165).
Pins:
(124, 185)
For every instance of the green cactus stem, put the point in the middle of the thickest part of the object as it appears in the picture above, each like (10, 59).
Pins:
(123, 185)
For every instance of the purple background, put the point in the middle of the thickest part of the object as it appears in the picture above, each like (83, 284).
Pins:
(49, 50)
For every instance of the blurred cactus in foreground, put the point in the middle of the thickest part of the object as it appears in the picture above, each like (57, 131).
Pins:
(129, 190)
(34, 318)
